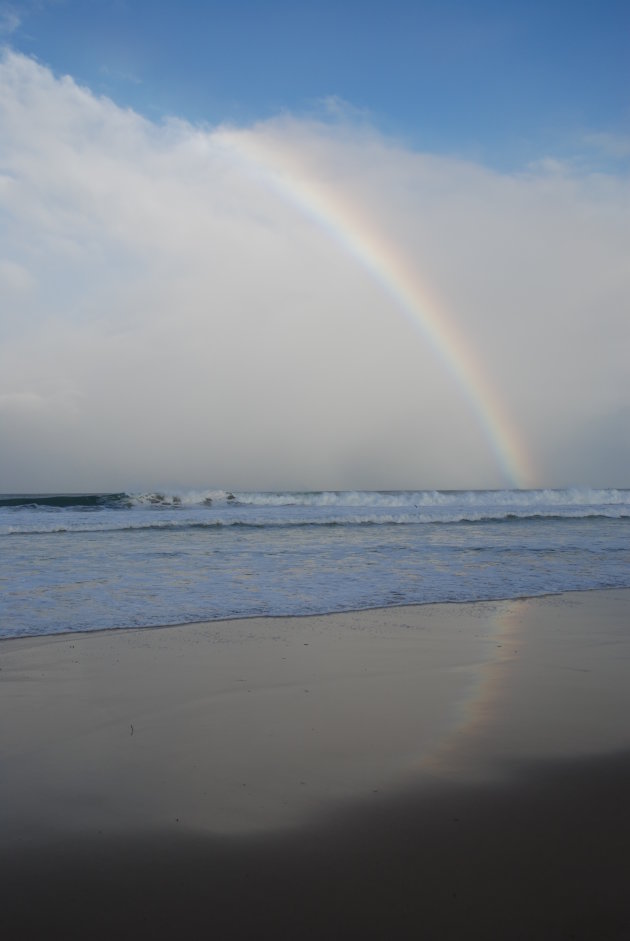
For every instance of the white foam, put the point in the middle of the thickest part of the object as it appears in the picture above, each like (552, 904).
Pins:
(174, 557)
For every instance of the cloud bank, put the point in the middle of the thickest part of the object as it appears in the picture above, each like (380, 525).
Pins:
(169, 317)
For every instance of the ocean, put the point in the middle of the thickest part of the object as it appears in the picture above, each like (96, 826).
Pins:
(99, 561)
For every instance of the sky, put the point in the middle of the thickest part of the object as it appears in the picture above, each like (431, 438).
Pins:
(314, 246)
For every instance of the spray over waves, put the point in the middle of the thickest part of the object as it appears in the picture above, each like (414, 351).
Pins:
(574, 496)
(219, 509)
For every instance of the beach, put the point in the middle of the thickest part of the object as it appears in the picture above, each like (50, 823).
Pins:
(439, 771)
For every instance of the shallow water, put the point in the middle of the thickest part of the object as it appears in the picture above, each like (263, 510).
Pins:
(119, 560)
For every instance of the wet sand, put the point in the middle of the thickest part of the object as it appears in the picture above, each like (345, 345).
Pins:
(440, 771)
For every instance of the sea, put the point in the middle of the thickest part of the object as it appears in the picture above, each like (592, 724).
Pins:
(100, 561)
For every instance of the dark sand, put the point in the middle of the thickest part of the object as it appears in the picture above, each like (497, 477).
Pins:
(450, 771)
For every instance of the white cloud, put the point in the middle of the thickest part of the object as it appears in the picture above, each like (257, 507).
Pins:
(16, 402)
(15, 279)
(10, 19)
(188, 323)
(608, 144)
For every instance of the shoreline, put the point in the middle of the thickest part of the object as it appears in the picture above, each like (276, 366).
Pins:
(458, 769)
(322, 614)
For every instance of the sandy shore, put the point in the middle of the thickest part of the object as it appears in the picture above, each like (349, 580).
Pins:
(442, 771)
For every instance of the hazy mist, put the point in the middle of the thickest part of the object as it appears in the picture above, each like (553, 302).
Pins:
(170, 318)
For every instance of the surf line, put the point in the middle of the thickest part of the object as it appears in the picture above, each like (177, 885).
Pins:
(360, 238)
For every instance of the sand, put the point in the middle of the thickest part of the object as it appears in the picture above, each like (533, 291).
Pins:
(439, 771)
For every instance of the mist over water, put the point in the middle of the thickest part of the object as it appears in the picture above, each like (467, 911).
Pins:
(97, 561)
(298, 303)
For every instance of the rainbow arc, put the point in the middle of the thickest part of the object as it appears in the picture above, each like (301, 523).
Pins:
(360, 238)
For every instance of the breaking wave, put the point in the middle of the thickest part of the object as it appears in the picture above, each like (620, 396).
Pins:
(100, 560)
(572, 497)
(220, 509)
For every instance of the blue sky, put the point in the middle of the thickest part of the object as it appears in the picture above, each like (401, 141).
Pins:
(307, 246)
(502, 82)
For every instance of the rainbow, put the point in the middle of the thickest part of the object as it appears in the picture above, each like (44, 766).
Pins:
(344, 222)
